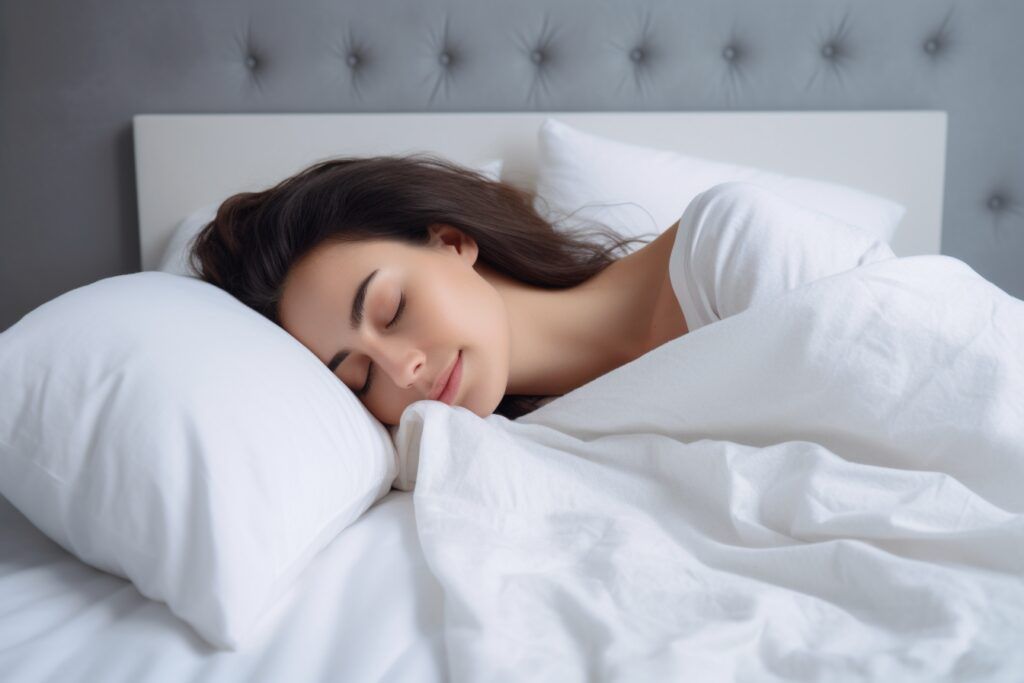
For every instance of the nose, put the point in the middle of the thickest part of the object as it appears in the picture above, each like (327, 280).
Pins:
(401, 359)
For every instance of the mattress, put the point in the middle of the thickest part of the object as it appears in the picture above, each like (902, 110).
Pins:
(367, 608)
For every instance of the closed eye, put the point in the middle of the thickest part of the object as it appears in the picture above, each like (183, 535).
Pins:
(369, 368)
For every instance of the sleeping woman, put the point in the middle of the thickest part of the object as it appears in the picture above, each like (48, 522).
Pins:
(414, 278)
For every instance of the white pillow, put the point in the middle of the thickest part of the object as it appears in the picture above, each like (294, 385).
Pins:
(491, 168)
(175, 256)
(641, 191)
(161, 430)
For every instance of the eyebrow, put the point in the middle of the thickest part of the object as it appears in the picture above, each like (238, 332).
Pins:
(355, 318)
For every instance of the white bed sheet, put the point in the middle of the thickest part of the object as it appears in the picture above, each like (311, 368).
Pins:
(367, 609)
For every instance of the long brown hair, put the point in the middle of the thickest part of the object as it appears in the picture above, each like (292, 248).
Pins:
(256, 237)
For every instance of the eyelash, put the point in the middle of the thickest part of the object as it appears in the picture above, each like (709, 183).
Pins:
(369, 368)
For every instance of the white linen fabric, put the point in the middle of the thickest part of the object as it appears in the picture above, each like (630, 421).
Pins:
(639, 191)
(739, 244)
(175, 255)
(366, 609)
(822, 487)
(160, 430)
(175, 258)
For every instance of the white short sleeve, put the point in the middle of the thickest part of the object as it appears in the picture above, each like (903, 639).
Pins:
(739, 244)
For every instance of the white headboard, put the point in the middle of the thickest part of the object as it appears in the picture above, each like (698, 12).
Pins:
(186, 161)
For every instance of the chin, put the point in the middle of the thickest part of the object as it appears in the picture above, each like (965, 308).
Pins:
(479, 413)
(487, 408)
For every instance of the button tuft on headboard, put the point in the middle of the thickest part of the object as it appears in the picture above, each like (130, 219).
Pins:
(730, 53)
(996, 202)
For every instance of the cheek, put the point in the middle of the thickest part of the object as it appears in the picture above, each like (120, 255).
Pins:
(460, 310)
(388, 402)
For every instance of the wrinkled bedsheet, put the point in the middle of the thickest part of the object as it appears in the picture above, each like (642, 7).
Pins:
(826, 487)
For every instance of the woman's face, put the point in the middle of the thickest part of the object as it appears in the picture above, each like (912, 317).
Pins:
(448, 308)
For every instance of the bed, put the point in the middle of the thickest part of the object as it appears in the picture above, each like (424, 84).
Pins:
(369, 607)
(93, 100)
(63, 620)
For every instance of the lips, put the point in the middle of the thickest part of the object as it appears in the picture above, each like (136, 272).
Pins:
(451, 389)
(442, 381)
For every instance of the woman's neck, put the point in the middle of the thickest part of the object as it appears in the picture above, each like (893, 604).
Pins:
(562, 339)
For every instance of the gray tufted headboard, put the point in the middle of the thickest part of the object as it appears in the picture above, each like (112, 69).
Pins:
(72, 75)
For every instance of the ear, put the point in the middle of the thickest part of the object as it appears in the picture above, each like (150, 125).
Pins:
(450, 238)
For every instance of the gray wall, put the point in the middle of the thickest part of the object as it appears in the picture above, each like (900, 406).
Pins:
(73, 73)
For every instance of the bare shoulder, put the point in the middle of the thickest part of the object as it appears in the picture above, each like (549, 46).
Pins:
(669, 315)
(667, 320)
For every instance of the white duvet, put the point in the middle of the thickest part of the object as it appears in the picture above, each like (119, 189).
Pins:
(825, 487)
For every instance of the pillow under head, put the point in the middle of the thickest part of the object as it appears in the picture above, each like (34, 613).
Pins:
(161, 430)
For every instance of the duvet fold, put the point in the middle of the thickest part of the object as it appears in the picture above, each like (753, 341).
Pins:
(825, 487)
